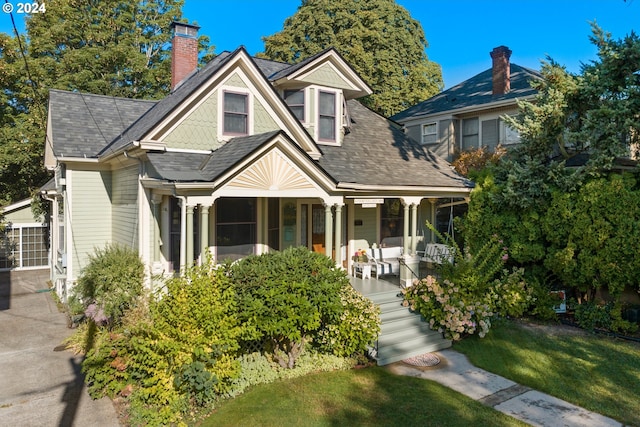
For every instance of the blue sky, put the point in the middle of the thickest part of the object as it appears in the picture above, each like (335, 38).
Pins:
(460, 33)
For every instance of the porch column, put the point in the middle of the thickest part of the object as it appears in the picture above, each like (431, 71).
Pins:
(183, 233)
(204, 233)
(405, 234)
(339, 235)
(328, 229)
(414, 228)
(433, 202)
(189, 237)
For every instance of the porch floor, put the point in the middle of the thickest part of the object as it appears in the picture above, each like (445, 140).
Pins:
(373, 286)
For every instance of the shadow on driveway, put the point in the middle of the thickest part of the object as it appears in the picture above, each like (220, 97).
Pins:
(42, 384)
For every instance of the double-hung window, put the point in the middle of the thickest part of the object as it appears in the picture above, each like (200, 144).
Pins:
(236, 113)
(470, 134)
(295, 101)
(327, 116)
(430, 133)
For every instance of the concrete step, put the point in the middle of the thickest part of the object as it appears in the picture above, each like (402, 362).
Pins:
(395, 353)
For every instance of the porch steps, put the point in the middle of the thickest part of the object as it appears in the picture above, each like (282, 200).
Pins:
(403, 334)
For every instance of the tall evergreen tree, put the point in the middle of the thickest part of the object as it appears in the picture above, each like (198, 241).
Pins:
(377, 37)
(108, 47)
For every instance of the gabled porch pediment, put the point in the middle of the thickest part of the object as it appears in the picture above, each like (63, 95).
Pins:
(278, 169)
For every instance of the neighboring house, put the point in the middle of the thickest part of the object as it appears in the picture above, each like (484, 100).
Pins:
(468, 115)
(244, 156)
(24, 243)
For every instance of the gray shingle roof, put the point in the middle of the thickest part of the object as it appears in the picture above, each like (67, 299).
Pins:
(183, 167)
(477, 90)
(377, 152)
(270, 68)
(85, 123)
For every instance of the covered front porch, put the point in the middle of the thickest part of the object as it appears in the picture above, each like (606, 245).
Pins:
(373, 286)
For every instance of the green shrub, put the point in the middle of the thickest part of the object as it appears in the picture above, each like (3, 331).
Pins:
(297, 297)
(257, 368)
(603, 315)
(112, 281)
(178, 353)
(594, 235)
(358, 326)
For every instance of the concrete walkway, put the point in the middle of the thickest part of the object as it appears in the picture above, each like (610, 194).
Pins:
(535, 408)
(41, 383)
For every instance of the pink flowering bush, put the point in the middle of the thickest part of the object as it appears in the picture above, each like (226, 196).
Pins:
(469, 292)
(448, 308)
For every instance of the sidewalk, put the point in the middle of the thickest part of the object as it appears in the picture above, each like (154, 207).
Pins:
(41, 382)
(535, 408)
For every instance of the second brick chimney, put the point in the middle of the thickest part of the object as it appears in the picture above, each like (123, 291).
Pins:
(184, 51)
(501, 70)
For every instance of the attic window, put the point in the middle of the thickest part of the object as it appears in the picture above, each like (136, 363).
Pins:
(236, 113)
(295, 101)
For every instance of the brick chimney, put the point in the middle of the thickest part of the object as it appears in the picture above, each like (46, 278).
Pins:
(184, 51)
(501, 70)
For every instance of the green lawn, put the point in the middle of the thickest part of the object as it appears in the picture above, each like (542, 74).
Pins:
(360, 397)
(593, 371)
(596, 372)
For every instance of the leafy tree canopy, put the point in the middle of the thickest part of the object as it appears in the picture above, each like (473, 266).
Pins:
(595, 112)
(378, 38)
(108, 47)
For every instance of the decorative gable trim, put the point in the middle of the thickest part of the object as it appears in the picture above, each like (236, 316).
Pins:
(273, 172)
(277, 170)
(355, 87)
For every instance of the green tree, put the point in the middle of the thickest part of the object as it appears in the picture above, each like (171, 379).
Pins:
(562, 222)
(108, 47)
(378, 38)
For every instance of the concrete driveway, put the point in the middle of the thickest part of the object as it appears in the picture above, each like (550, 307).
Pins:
(41, 383)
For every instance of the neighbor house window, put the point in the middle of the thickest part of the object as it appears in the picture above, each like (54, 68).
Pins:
(509, 134)
(295, 101)
(470, 131)
(490, 133)
(327, 118)
(430, 133)
(236, 113)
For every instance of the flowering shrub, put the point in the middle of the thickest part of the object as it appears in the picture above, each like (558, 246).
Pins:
(471, 290)
(357, 327)
(449, 308)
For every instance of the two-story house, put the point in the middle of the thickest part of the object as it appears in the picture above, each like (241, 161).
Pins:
(244, 156)
(468, 115)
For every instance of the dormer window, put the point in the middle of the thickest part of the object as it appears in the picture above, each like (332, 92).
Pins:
(236, 113)
(295, 101)
(327, 116)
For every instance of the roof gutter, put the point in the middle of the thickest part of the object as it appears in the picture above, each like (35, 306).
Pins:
(471, 109)
(404, 188)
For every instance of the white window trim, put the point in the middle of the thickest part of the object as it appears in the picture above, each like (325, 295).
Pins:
(250, 114)
(338, 116)
(423, 134)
